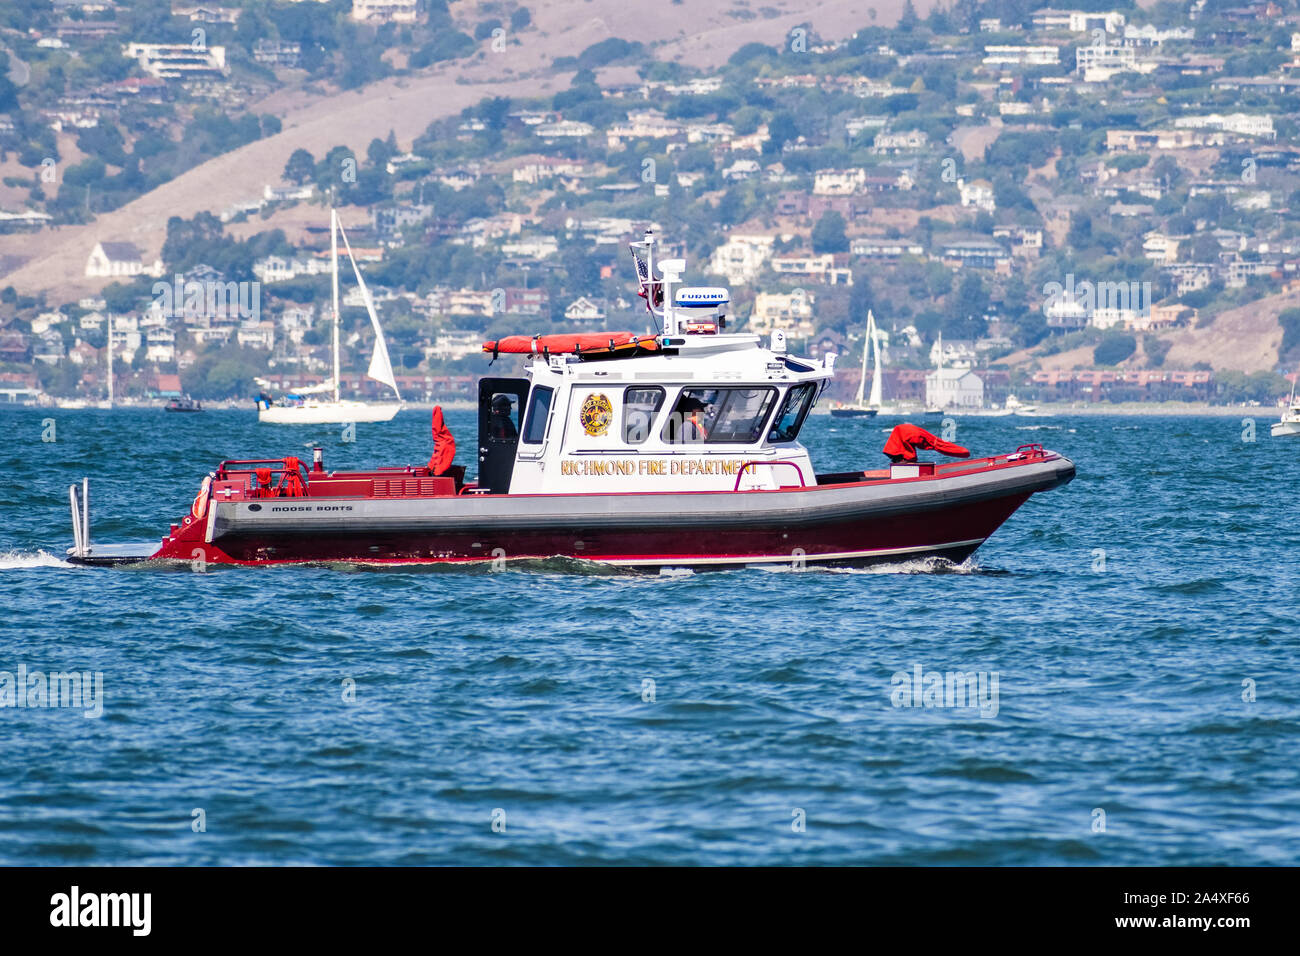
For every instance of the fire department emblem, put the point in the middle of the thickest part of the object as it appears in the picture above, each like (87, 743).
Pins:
(596, 414)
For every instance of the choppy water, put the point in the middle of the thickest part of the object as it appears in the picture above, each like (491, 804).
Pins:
(524, 692)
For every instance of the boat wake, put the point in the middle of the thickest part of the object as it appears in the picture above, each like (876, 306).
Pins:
(19, 560)
(931, 565)
(918, 566)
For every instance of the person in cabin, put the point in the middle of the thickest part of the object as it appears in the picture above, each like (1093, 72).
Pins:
(692, 411)
(500, 423)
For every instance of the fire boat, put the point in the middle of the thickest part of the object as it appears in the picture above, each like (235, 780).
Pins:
(678, 448)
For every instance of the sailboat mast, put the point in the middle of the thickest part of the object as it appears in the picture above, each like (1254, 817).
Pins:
(877, 376)
(110, 359)
(866, 352)
(334, 272)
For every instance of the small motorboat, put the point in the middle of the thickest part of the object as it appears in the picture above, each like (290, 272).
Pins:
(1290, 422)
(676, 449)
(183, 405)
(1016, 407)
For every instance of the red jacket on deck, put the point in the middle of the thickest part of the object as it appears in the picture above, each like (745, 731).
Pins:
(905, 439)
(444, 444)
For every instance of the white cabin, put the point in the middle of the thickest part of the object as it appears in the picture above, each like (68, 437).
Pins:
(696, 409)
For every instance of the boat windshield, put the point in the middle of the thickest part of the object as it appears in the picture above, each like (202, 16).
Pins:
(733, 416)
(793, 412)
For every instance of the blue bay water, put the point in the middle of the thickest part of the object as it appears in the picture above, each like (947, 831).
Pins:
(1120, 690)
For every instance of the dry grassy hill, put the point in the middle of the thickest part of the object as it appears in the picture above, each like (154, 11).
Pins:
(1245, 339)
(699, 32)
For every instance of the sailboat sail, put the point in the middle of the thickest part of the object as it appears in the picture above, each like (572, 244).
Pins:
(381, 368)
(877, 378)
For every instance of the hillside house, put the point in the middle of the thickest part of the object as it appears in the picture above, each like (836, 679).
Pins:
(109, 260)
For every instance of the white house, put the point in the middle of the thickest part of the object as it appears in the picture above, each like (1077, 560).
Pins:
(899, 142)
(791, 312)
(838, 182)
(564, 129)
(160, 346)
(532, 247)
(1097, 63)
(45, 320)
(1160, 248)
(954, 388)
(741, 169)
(585, 311)
(385, 11)
(177, 61)
(1243, 124)
(1045, 55)
(111, 259)
(257, 335)
(741, 258)
(280, 269)
(454, 344)
(955, 353)
(978, 194)
(91, 321)
(288, 193)
(1078, 21)
(816, 267)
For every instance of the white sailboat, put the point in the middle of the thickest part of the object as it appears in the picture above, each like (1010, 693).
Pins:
(336, 410)
(1290, 422)
(865, 407)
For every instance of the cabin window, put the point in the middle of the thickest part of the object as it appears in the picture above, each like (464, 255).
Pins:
(793, 411)
(731, 416)
(539, 410)
(640, 405)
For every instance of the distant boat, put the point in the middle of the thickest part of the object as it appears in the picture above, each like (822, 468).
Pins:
(183, 405)
(871, 407)
(1017, 407)
(299, 408)
(1290, 423)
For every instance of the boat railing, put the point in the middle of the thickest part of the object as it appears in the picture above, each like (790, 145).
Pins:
(1032, 450)
(745, 467)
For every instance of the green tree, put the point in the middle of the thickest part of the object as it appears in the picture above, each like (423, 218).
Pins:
(966, 309)
(1114, 348)
(908, 20)
(828, 234)
(301, 167)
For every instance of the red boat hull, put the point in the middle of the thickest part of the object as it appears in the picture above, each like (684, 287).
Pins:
(952, 533)
(381, 518)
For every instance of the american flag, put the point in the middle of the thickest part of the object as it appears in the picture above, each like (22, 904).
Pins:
(649, 286)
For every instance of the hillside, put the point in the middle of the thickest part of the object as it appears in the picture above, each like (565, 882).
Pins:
(693, 31)
(1245, 339)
